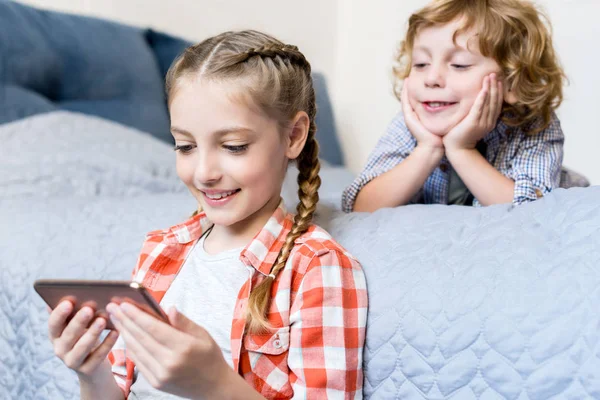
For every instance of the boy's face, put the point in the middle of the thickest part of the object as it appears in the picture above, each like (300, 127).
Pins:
(446, 77)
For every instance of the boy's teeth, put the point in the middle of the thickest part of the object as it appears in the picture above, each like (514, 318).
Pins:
(219, 195)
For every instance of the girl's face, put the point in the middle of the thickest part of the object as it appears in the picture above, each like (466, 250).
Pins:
(232, 158)
(446, 77)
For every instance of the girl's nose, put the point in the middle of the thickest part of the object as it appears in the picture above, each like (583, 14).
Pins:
(207, 169)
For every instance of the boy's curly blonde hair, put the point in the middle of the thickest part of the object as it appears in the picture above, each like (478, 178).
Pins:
(515, 34)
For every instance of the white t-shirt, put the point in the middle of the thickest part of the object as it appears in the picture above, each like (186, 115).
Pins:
(205, 291)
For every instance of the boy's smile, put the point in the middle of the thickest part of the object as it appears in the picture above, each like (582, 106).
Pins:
(437, 106)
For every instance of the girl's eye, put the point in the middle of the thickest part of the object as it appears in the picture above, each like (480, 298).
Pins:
(460, 66)
(184, 148)
(419, 65)
(236, 149)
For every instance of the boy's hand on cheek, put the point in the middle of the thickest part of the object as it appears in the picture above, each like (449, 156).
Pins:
(425, 139)
(480, 120)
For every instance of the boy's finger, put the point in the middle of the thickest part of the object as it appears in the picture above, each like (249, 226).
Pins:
(485, 111)
(492, 98)
(477, 109)
(404, 97)
(499, 101)
(492, 115)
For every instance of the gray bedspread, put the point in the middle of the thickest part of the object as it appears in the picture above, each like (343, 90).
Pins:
(465, 303)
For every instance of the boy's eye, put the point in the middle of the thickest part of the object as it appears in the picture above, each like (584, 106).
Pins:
(419, 65)
(184, 148)
(460, 66)
(235, 149)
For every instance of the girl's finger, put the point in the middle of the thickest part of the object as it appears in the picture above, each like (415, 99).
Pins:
(58, 319)
(146, 348)
(75, 329)
(100, 353)
(85, 345)
(160, 331)
(141, 356)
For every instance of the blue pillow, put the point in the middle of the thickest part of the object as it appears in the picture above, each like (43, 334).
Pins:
(53, 60)
(165, 47)
(326, 132)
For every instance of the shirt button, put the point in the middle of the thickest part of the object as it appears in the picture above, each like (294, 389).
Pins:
(444, 167)
(277, 343)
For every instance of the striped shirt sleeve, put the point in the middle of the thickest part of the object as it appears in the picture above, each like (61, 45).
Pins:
(327, 329)
(118, 366)
(396, 144)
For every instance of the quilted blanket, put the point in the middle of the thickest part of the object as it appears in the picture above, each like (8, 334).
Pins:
(465, 303)
(491, 303)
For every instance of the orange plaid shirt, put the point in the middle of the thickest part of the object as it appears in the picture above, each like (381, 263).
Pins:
(318, 310)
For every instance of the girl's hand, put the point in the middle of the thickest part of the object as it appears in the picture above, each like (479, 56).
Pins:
(425, 139)
(76, 343)
(480, 120)
(181, 358)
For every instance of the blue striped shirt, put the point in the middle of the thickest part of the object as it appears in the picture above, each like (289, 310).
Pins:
(532, 161)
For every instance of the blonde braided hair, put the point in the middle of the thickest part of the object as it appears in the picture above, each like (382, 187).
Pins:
(308, 186)
(278, 79)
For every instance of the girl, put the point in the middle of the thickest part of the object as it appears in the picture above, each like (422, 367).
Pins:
(480, 86)
(262, 304)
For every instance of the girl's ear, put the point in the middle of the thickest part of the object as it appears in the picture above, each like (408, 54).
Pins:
(297, 135)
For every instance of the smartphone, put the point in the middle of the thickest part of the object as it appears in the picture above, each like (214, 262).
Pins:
(96, 294)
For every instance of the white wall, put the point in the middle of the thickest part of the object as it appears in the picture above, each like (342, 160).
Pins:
(575, 37)
(353, 42)
(311, 26)
(363, 98)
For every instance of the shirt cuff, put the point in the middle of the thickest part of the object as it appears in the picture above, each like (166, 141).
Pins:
(526, 191)
(351, 193)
